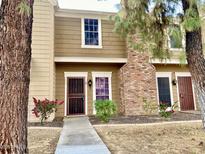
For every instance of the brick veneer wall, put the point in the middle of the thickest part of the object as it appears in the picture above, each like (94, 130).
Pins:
(137, 81)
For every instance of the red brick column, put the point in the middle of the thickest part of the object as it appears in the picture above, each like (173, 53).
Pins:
(137, 81)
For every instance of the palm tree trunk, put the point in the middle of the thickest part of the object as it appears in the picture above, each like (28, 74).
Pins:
(196, 62)
(15, 57)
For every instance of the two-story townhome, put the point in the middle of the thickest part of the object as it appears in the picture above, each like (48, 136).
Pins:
(78, 58)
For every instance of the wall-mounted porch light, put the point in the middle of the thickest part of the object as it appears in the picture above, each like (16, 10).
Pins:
(174, 82)
(90, 83)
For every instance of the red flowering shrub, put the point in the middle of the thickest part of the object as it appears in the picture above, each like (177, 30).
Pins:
(44, 108)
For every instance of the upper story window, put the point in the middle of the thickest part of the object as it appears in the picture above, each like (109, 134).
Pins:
(91, 33)
(175, 38)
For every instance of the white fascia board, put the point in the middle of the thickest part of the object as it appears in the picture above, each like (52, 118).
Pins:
(168, 61)
(90, 60)
(83, 13)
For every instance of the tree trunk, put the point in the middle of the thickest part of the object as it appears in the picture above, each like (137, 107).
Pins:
(196, 62)
(15, 57)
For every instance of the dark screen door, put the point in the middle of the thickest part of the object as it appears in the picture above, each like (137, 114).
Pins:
(185, 93)
(76, 96)
(164, 90)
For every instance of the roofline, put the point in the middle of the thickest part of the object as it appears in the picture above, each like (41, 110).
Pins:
(54, 2)
(86, 11)
(82, 13)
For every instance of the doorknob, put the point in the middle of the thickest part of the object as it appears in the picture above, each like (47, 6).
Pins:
(181, 96)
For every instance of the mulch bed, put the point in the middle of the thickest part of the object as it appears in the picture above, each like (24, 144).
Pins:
(177, 116)
(57, 122)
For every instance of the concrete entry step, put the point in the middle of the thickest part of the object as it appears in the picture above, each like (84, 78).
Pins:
(79, 137)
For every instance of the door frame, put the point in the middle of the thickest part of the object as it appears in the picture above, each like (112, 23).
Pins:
(184, 74)
(167, 75)
(77, 75)
(101, 74)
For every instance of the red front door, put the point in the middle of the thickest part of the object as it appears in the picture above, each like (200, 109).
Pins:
(76, 96)
(185, 93)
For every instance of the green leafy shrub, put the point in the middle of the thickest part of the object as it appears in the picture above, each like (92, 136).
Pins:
(44, 108)
(150, 107)
(165, 110)
(105, 109)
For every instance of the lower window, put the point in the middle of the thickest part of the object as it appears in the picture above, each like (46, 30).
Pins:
(164, 90)
(102, 88)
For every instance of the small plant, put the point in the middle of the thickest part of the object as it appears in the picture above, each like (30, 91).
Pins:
(165, 110)
(150, 107)
(44, 108)
(105, 109)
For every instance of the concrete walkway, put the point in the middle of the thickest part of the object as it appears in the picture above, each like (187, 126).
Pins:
(79, 137)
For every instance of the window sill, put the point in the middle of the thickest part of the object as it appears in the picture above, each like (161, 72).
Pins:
(92, 46)
(176, 49)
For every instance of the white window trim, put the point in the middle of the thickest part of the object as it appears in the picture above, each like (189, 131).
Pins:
(185, 74)
(177, 49)
(165, 74)
(101, 74)
(76, 74)
(83, 34)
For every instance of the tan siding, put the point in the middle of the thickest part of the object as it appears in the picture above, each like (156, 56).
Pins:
(68, 40)
(173, 69)
(42, 65)
(60, 81)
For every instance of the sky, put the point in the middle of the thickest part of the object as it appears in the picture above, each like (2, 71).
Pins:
(93, 5)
